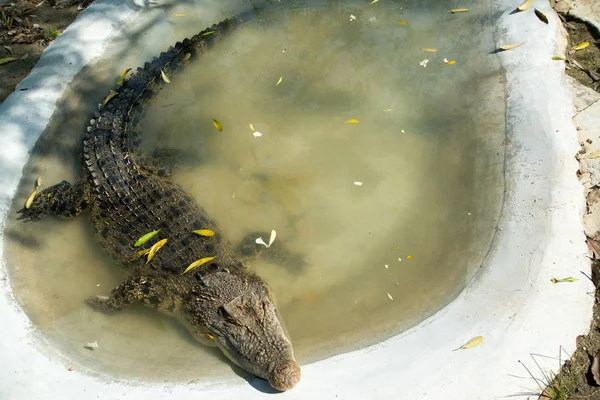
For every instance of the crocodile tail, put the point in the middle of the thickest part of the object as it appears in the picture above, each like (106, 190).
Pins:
(114, 128)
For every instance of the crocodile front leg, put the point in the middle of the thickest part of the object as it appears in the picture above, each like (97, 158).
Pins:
(143, 289)
(63, 200)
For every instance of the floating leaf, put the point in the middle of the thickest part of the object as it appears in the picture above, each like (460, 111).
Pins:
(187, 56)
(207, 33)
(252, 128)
(180, 15)
(30, 199)
(568, 279)
(374, 1)
(7, 60)
(352, 121)
(525, 5)
(511, 46)
(402, 22)
(541, 16)
(279, 81)
(581, 46)
(476, 341)
(197, 263)
(271, 240)
(37, 183)
(595, 154)
(155, 247)
(109, 97)
(145, 238)
(557, 58)
(390, 296)
(218, 125)
(449, 62)
(357, 183)
(272, 237)
(164, 76)
(459, 10)
(204, 232)
(409, 257)
(123, 75)
(429, 49)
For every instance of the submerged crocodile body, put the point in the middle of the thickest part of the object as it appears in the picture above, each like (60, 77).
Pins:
(222, 303)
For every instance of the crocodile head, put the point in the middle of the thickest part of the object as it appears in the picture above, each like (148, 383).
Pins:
(237, 311)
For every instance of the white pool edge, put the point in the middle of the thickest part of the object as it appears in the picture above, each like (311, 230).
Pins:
(511, 303)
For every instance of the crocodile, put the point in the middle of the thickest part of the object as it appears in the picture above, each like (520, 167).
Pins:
(220, 301)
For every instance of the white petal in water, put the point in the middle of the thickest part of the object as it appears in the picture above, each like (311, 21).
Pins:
(352, 17)
(91, 346)
(257, 134)
(357, 183)
(390, 296)
(271, 239)
(386, 266)
(424, 63)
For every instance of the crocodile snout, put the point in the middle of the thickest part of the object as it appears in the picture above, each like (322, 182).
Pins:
(285, 376)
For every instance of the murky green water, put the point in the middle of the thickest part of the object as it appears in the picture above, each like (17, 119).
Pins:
(381, 256)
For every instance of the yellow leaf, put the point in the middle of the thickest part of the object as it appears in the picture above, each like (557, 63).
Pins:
(180, 15)
(459, 10)
(511, 46)
(145, 238)
(476, 341)
(279, 81)
(204, 232)
(210, 336)
(409, 258)
(142, 253)
(557, 58)
(164, 76)
(402, 22)
(595, 154)
(198, 263)
(109, 97)
(123, 75)
(252, 128)
(218, 125)
(450, 62)
(37, 183)
(30, 199)
(207, 33)
(581, 46)
(155, 248)
(7, 60)
(525, 5)
(429, 50)
(352, 121)
(374, 1)
(390, 296)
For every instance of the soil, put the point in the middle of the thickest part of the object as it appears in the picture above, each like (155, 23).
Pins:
(26, 29)
(575, 380)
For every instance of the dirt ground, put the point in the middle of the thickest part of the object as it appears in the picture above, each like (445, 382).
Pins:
(26, 29)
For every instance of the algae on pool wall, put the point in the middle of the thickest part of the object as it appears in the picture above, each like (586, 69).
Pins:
(380, 256)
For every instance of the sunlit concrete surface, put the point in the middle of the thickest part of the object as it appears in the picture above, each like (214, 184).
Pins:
(511, 302)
